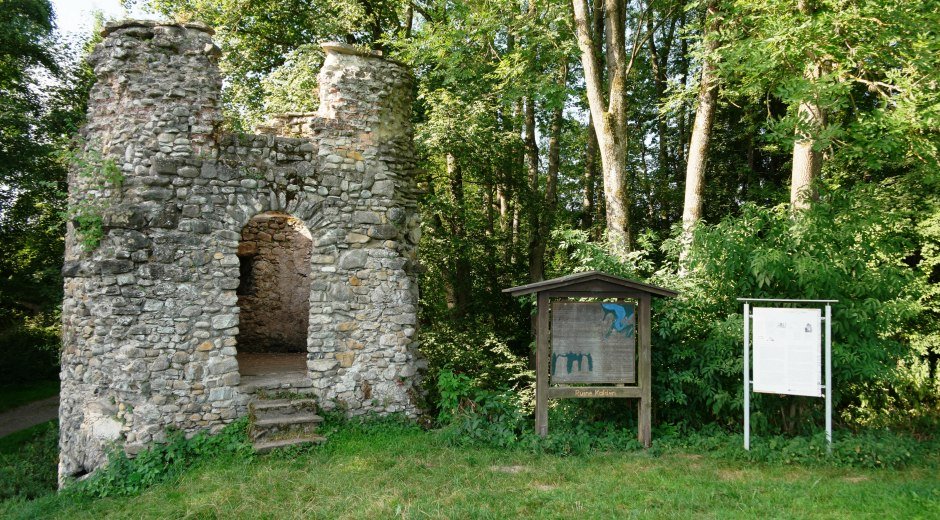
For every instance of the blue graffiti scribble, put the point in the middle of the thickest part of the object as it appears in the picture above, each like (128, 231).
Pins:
(623, 316)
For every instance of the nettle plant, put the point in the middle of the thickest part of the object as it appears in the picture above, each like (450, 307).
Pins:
(103, 179)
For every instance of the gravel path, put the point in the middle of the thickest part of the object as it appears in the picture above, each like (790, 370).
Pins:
(28, 415)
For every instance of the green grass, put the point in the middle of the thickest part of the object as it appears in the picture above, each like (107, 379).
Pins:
(28, 460)
(11, 397)
(402, 472)
(16, 441)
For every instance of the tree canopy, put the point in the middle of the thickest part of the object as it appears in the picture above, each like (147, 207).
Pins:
(556, 136)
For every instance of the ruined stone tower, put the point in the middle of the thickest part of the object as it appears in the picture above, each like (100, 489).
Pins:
(156, 315)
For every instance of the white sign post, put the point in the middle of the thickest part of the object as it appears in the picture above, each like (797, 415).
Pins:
(787, 354)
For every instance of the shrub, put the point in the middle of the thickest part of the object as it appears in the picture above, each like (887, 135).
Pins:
(844, 248)
(877, 263)
(476, 354)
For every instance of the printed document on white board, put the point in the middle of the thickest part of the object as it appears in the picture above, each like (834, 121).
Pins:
(787, 351)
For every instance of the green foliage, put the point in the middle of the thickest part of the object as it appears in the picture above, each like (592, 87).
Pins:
(475, 355)
(103, 180)
(846, 248)
(164, 461)
(29, 349)
(29, 462)
(474, 416)
(37, 119)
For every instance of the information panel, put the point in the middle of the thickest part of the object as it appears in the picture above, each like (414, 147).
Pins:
(787, 357)
(593, 342)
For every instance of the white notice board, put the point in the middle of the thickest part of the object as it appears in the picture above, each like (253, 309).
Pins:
(787, 351)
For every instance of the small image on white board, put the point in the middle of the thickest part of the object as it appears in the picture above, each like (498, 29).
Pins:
(787, 351)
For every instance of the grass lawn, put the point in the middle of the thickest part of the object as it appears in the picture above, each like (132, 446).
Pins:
(410, 474)
(12, 443)
(11, 397)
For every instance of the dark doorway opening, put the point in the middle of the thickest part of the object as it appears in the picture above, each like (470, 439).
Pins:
(274, 301)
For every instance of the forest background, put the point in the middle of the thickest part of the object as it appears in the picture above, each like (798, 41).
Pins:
(721, 148)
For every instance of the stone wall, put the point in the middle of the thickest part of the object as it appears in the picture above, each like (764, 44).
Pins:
(274, 285)
(151, 318)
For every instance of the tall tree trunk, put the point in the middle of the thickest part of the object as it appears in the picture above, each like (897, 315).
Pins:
(609, 115)
(807, 162)
(594, 212)
(550, 200)
(532, 198)
(503, 200)
(590, 178)
(409, 20)
(684, 75)
(659, 59)
(461, 273)
(701, 136)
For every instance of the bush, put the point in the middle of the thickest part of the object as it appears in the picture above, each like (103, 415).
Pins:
(844, 248)
(877, 263)
(476, 354)
(503, 419)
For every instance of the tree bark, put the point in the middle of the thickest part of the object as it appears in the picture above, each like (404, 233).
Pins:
(461, 273)
(807, 162)
(659, 59)
(701, 136)
(590, 177)
(536, 249)
(608, 115)
(684, 75)
(550, 199)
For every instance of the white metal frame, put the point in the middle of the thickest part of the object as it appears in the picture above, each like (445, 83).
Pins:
(747, 362)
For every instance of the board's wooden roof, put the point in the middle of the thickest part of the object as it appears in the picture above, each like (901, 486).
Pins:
(576, 279)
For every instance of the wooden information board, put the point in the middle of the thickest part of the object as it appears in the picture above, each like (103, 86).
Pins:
(593, 349)
(593, 342)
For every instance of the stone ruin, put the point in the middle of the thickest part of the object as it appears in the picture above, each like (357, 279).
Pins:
(231, 264)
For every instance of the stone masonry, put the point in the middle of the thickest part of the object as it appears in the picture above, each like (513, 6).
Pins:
(151, 315)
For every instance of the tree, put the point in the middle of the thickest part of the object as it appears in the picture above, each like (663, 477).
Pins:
(38, 120)
(608, 112)
(701, 133)
(270, 49)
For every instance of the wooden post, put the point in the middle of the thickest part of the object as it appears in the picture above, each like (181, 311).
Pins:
(541, 366)
(644, 379)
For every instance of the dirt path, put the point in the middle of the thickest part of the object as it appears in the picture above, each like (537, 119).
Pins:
(28, 415)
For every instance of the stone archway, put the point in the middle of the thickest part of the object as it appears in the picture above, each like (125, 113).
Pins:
(274, 302)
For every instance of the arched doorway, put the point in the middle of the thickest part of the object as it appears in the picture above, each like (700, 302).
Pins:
(274, 301)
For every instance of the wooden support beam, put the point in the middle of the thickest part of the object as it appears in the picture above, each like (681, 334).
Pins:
(541, 367)
(644, 374)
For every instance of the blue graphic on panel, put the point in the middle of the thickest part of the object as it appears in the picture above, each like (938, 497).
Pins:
(571, 358)
(623, 318)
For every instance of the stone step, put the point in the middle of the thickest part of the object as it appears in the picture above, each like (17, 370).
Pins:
(296, 382)
(274, 424)
(288, 419)
(268, 445)
(286, 406)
